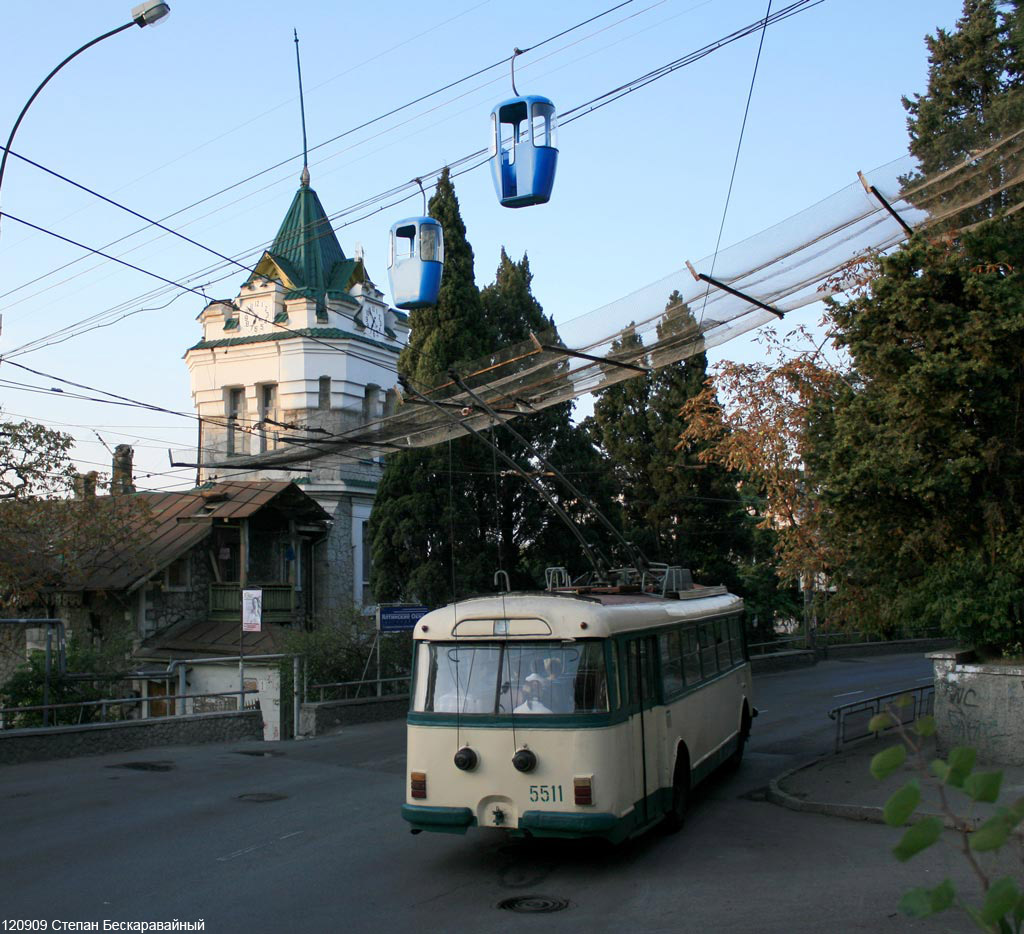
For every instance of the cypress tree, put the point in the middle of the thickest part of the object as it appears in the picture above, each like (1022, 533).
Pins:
(677, 509)
(431, 521)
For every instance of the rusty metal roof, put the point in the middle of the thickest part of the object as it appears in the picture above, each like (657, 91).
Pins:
(212, 640)
(173, 523)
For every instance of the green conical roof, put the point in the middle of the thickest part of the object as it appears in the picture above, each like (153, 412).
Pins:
(306, 248)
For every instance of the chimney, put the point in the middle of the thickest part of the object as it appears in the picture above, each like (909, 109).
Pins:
(121, 471)
(85, 485)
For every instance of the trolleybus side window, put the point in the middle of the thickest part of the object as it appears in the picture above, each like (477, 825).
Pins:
(721, 631)
(708, 657)
(671, 662)
(641, 671)
(691, 655)
(736, 633)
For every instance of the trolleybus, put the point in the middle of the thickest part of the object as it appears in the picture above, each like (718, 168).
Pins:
(574, 712)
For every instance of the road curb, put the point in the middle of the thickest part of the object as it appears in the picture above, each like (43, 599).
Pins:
(856, 812)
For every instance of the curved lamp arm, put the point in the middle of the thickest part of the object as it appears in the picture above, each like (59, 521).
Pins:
(144, 14)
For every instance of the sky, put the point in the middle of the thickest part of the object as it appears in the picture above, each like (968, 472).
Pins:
(163, 117)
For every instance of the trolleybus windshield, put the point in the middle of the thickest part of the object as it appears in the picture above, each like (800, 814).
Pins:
(521, 678)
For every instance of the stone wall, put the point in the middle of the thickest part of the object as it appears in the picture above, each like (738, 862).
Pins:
(95, 739)
(318, 718)
(979, 705)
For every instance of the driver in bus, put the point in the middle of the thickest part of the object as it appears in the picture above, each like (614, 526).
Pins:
(531, 696)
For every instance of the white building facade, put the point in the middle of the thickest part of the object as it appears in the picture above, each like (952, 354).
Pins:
(307, 350)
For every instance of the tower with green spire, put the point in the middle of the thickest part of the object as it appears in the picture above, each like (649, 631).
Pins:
(308, 345)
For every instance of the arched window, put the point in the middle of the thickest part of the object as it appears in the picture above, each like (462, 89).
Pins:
(324, 393)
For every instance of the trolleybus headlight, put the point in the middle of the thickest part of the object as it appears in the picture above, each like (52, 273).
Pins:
(524, 760)
(466, 759)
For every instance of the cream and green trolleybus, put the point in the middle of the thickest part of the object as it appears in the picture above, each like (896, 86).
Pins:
(575, 711)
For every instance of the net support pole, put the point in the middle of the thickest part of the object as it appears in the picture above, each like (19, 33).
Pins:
(718, 284)
(880, 198)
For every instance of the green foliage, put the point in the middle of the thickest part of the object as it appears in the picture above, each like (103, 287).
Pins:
(917, 462)
(920, 903)
(983, 786)
(974, 94)
(445, 518)
(881, 721)
(27, 685)
(340, 650)
(677, 508)
(1002, 909)
(919, 837)
(888, 761)
(902, 804)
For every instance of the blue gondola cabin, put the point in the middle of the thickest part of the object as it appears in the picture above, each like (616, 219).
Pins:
(415, 262)
(523, 153)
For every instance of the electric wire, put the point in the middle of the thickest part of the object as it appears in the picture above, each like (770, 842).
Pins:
(735, 161)
(575, 113)
(326, 142)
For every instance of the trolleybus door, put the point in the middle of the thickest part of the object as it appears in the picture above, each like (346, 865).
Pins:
(642, 671)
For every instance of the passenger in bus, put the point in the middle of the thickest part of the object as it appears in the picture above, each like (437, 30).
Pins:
(532, 688)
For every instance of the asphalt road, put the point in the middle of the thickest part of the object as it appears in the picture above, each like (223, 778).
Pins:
(323, 847)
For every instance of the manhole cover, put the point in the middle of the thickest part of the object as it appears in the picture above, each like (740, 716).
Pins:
(534, 904)
(159, 766)
(256, 752)
(261, 797)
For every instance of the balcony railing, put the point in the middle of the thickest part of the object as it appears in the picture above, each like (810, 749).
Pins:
(278, 601)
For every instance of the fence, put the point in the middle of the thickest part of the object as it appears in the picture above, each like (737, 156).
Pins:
(852, 719)
(143, 705)
(385, 687)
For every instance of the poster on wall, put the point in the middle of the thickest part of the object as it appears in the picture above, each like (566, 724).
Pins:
(252, 610)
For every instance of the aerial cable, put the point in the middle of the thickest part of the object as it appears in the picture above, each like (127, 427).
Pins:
(736, 160)
(573, 114)
(588, 551)
(634, 555)
(116, 204)
(347, 132)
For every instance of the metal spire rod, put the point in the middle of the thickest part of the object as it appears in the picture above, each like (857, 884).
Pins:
(537, 487)
(635, 556)
(302, 109)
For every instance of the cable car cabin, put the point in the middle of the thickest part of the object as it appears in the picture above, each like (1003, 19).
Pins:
(415, 262)
(573, 714)
(523, 153)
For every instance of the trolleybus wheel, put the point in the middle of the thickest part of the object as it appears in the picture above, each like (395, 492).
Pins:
(676, 815)
(733, 762)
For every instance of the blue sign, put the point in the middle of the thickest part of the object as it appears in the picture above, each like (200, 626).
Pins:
(399, 618)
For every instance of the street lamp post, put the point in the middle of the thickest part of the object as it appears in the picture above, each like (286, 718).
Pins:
(145, 14)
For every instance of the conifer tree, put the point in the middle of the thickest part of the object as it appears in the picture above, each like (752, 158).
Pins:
(975, 96)
(677, 509)
(431, 522)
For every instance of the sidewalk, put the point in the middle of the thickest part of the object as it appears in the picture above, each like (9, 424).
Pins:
(842, 785)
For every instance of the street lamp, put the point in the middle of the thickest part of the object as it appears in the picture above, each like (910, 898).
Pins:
(145, 14)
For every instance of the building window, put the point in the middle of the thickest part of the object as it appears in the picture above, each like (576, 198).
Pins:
(177, 576)
(235, 406)
(268, 411)
(324, 394)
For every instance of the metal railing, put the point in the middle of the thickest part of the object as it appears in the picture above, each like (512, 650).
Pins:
(278, 601)
(852, 719)
(145, 705)
(346, 686)
(823, 639)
